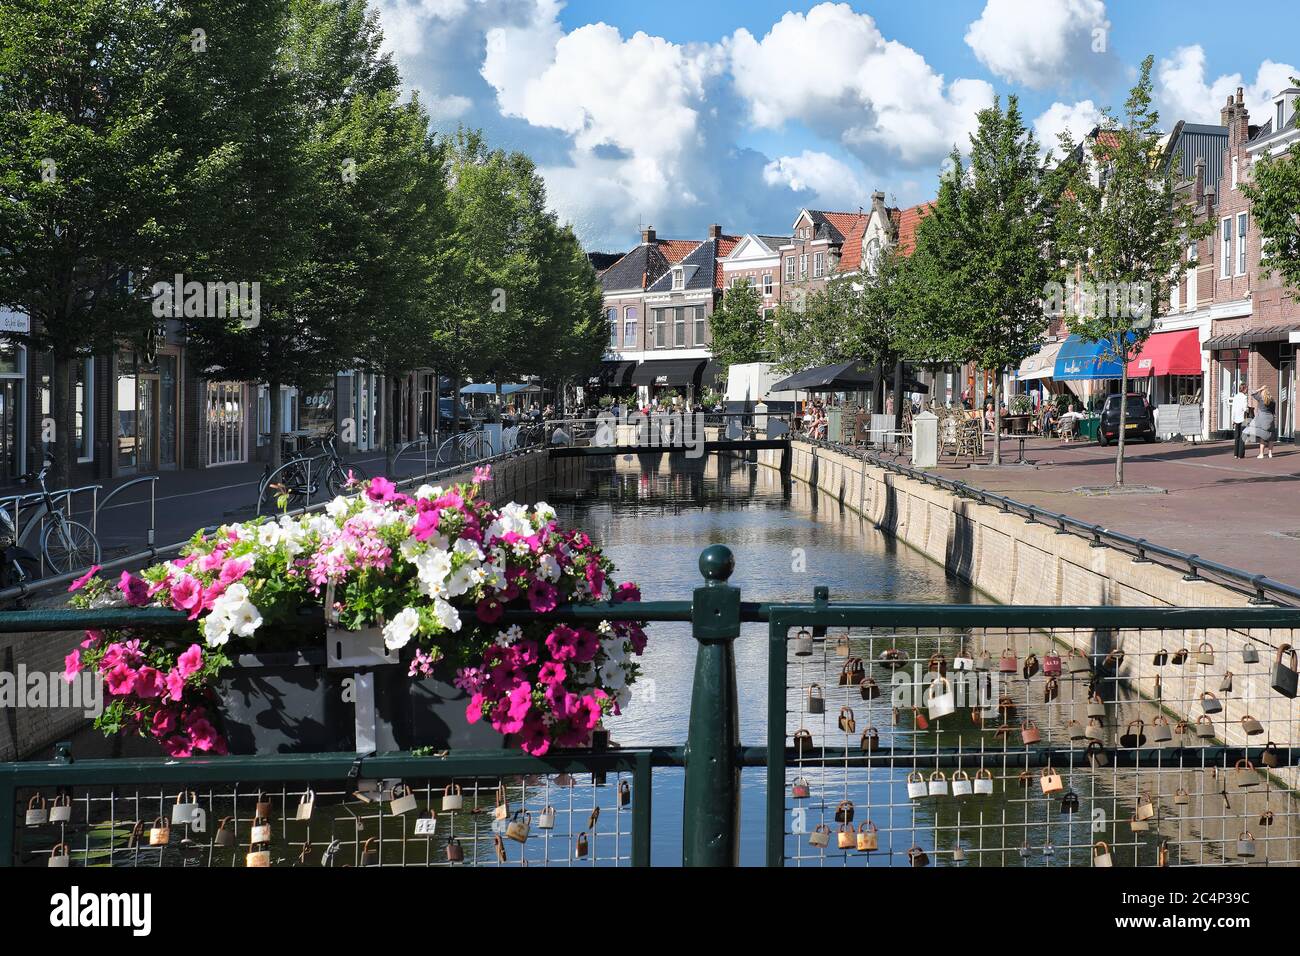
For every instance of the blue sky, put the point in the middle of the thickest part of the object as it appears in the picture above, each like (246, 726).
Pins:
(681, 113)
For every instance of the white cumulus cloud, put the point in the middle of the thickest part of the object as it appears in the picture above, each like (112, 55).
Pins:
(1041, 43)
(1078, 118)
(1184, 93)
(825, 179)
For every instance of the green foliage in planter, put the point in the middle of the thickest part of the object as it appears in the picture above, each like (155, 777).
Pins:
(1020, 405)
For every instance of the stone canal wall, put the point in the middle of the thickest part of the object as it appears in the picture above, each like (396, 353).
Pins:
(1017, 562)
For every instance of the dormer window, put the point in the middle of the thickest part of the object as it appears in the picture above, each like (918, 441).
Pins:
(679, 278)
(1281, 115)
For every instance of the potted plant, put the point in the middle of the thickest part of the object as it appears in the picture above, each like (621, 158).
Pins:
(434, 572)
(1019, 408)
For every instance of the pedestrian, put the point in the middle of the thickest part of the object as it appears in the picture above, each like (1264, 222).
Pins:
(1239, 406)
(1263, 426)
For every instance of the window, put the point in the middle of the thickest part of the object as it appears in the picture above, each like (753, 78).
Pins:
(1234, 172)
(819, 264)
(700, 324)
(83, 408)
(629, 327)
(1281, 108)
(1173, 296)
(679, 278)
(1191, 253)
(803, 266)
(661, 328)
(1241, 243)
(611, 316)
(873, 255)
(1225, 265)
(767, 283)
(679, 328)
(789, 268)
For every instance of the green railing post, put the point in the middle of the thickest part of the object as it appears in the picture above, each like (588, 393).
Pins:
(8, 821)
(711, 812)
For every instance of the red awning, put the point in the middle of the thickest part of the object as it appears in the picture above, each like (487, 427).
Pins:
(1168, 353)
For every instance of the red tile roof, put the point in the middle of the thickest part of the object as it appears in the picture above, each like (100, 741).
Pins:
(675, 250)
(845, 222)
(907, 221)
(851, 252)
(725, 245)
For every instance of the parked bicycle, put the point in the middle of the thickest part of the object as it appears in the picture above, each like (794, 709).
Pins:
(299, 481)
(66, 545)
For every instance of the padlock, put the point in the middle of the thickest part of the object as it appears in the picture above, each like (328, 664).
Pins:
(868, 837)
(1074, 730)
(1146, 809)
(1132, 739)
(224, 836)
(1051, 664)
(847, 837)
(1249, 654)
(1101, 854)
(1181, 797)
(137, 834)
(1204, 727)
(61, 808)
(820, 837)
(1138, 825)
(1096, 706)
(453, 798)
(1050, 781)
(1285, 677)
(963, 662)
(1179, 656)
(1225, 684)
(917, 857)
(623, 796)
(870, 740)
(1030, 666)
(1266, 819)
(1270, 757)
(61, 860)
(959, 854)
(983, 782)
(893, 658)
(306, 804)
(848, 723)
(1007, 708)
(1070, 803)
(916, 787)
(263, 808)
(160, 834)
(854, 670)
(1029, 732)
(1051, 690)
(426, 824)
(938, 786)
(816, 700)
(842, 646)
(183, 812)
(1097, 756)
(1251, 726)
(369, 853)
(961, 785)
(984, 662)
(868, 687)
(502, 809)
(1162, 855)
(803, 742)
(922, 722)
(803, 644)
(1114, 659)
(1210, 703)
(1077, 663)
(938, 664)
(1095, 731)
(1244, 774)
(1246, 844)
(799, 790)
(941, 700)
(1007, 663)
(403, 801)
(844, 812)
(1160, 730)
(1205, 654)
(1161, 658)
(257, 858)
(1181, 728)
(261, 831)
(455, 852)
(517, 828)
(36, 811)
(546, 818)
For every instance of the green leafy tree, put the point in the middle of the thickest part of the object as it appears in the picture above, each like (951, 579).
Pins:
(813, 330)
(738, 326)
(1274, 192)
(1123, 224)
(90, 184)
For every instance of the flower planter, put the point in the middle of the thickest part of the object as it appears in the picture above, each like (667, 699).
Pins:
(290, 702)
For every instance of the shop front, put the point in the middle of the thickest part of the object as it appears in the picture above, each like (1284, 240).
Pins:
(1089, 370)
(668, 378)
(1168, 371)
(146, 412)
(13, 390)
(1034, 376)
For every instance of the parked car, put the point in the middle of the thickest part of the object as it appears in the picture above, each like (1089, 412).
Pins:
(1139, 419)
(446, 411)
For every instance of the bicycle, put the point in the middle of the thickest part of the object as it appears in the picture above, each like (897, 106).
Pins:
(66, 545)
(298, 481)
(467, 446)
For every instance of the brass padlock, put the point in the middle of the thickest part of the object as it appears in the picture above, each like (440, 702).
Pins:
(257, 858)
(369, 853)
(848, 723)
(1160, 730)
(306, 804)
(1101, 854)
(816, 700)
(160, 834)
(1251, 726)
(1050, 781)
(624, 793)
(263, 808)
(546, 818)
(820, 836)
(870, 740)
(1244, 775)
(1146, 809)
(868, 837)
(1074, 730)
(455, 852)
(581, 846)
(1181, 797)
(1270, 756)
(261, 831)
(983, 782)
(502, 810)
(961, 785)
(36, 811)
(959, 854)
(852, 672)
(224, 836)
(846, 838)
(453, 797)
(916, 787)
(1095, 731)
(917, 857)
(842, 646)
(1204, 727)
(1096, 706)
(403, 801)
(518, 827)
(61, 808)
(61, 860)
(1205, 654)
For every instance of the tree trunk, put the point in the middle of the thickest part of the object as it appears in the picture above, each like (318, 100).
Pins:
(1123, 417)
(61, 411)
(878, 391)
(388, 416)
(276, 426)
(996, 457)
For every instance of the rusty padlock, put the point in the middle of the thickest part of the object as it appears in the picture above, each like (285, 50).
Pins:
(816, 700)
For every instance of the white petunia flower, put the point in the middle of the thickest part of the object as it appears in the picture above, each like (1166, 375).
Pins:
(216, 629)
(548, 568)
(399, 631)
(544, 512)
(338, 507)
(269, 535)
(447, 615)
(612, 675)
(245, 619)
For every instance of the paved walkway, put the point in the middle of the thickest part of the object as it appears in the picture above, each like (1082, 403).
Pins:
(1244, 513)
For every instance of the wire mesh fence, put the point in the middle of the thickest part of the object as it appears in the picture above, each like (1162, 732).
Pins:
(1064, 746)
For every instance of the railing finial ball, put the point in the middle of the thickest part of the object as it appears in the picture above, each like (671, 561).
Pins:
(717, 562)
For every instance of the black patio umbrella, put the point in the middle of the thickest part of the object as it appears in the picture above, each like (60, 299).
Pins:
(855, 376)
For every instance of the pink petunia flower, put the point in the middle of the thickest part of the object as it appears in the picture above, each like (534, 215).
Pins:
(150, 682)
(190, 661)
(80, 583)
(136, 590)
(542, 596)
(72, 666)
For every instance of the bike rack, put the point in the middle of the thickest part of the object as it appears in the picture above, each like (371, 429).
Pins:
(152, 480)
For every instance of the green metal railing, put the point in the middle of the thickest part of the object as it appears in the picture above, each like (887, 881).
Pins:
(1113, 641)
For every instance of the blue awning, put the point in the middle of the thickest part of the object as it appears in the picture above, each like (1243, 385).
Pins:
(488, 388)
(1080, 360)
